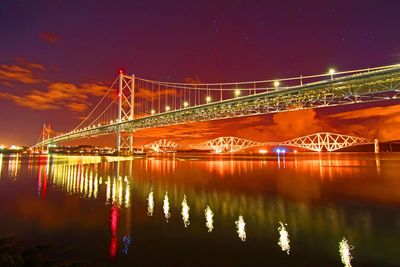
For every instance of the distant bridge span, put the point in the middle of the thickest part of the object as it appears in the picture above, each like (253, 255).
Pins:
(142, 103)
(324, 141)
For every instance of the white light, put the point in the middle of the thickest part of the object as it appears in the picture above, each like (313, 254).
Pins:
(209, 218)
(185, 104)
(240, 228)
(166, 207)
(150, 203)
(332, 71)
(185, 212)
(283, 238)
(208, 99)
(237, 93)
(263, 151)
(276, 83)
(345, 255)
(153, 112)
(278, 151)
(167, 108)
(111, 121)
(98, 125)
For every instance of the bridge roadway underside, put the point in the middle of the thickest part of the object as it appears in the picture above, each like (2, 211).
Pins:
(360, 88)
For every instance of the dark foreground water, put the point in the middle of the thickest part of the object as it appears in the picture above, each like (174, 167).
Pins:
(106, 212)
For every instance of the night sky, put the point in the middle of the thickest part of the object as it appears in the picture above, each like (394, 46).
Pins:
(57, 58)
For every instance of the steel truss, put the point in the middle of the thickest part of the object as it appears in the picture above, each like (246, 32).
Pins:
(326, 141)
(230, 144)
(162, 145)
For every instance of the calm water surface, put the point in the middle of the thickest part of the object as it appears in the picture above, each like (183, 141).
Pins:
(131, 212)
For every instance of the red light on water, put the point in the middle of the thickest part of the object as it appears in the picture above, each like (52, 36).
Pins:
(114, 224)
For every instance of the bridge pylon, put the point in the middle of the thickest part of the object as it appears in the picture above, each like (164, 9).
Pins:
(126, 109)
(46, 134)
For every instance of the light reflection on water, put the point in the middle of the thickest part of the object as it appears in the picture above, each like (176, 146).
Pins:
(166, 207)
(344, 250)
(283, 238)
(185, 212)
(209, 219)
(264, 198)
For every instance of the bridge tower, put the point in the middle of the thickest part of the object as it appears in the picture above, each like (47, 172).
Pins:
(126, 104)
(46, 130)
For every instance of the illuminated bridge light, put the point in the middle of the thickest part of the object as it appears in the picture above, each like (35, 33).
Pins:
(276, 84)
(240, 228)
(237, 93)
(185, 104)
(283, 238)
(209, 219)
(208, 99)
(344, 250)
(167, 108)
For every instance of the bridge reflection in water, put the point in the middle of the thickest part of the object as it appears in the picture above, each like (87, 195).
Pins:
(302, 195)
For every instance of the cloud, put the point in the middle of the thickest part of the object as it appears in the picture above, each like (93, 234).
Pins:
(368, 113)
(285, 125)
(375, 122)
(50, 37)
(25, 72)
(57, 96)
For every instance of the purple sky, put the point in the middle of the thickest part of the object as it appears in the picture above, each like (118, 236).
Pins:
(83, 43)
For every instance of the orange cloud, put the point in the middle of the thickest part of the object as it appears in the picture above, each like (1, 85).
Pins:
(50, 37)
(189, 133)
(58, 95)
(285, 125)
(24, 73)
(376, 122)
(368, 113)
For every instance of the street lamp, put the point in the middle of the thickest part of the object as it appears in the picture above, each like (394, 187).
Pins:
(153, 112)
(276, 84)
(208, 99)
(331, 72)
(167, 108)
(185, 104)
(237, 93)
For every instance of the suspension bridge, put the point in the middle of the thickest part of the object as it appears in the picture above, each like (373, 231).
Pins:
(132, 103)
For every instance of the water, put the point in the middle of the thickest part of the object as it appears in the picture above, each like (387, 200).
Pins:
(207, 210)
